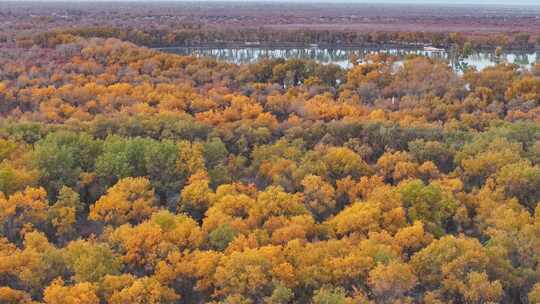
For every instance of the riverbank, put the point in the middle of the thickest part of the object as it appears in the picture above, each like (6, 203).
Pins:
(341, 55)
(342, 46)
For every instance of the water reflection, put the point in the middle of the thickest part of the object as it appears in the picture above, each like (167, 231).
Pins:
(341, 57)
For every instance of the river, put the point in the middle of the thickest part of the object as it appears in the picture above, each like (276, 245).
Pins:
(340, 56)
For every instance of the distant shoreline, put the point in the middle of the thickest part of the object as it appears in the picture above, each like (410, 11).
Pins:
(370, 46)
(295, 2)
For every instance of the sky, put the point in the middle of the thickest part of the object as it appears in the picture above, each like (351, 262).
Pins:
(451, 2)
(499, 2)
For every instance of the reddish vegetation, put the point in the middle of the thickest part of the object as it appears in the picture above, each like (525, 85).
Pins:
(196, 23)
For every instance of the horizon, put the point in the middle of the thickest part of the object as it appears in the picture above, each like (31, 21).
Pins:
(410, 2)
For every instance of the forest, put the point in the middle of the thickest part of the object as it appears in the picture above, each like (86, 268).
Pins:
(129, 175)
(234, 23)
(214, 36)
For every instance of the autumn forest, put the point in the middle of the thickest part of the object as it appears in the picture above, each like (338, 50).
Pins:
(129, 175)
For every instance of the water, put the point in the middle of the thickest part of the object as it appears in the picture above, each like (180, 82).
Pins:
(340, 56)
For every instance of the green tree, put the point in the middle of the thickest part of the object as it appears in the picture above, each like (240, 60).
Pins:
(430, 204)
(62, 156)
(90, 261)
(160, 166)
(329, 296)
(220, 238)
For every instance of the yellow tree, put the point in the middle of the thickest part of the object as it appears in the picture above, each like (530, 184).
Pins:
(396, 166)
(284, 229)
(319, 196)
(359, 218)
(534, 294)
(391, 281)
(131, 200)
(273, 201)
(189, 273)
(479, 289)
(250, 272)
(63, 214)
(144, 290)
(343, 162)
(15, 177)
(190, 158)
(452, 266)
(13, 296)
(32, 267)
(23, 210)
(412, 238)
(195, 198)
(82, 293)
(38, 263)
(231, 209)
(111, 284)
(144, 245)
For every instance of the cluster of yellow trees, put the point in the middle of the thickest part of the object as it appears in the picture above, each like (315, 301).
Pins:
(132, 176)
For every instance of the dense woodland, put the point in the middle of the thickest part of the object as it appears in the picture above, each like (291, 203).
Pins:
(230, 23)
(133, 176)
(197, 35)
